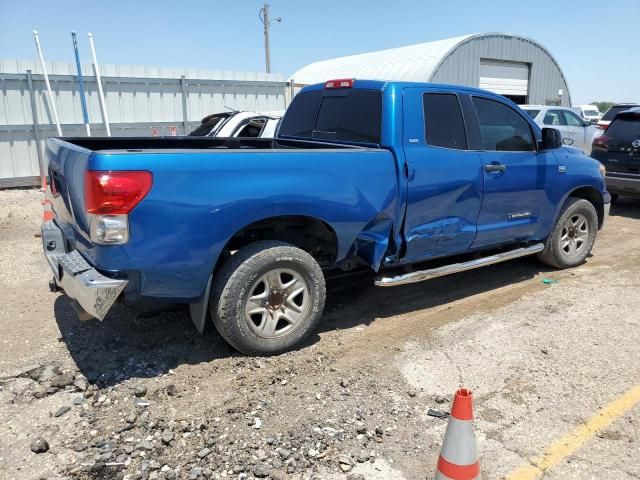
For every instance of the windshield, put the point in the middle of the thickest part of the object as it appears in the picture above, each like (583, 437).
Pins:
(591, 113)
(352, 115)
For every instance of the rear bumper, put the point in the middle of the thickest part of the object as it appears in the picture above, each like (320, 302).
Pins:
(94, 293)
(628, 184)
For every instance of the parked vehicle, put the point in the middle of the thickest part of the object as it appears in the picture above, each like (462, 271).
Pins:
(239, 124)
(211, 124)
(590, 113)
(578, 132)
(382, 175)
(608, 116)
(618, 148)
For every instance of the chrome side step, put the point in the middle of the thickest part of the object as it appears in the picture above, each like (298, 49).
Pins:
(422, 275)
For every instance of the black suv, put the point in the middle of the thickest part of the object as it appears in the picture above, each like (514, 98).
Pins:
(618, 148)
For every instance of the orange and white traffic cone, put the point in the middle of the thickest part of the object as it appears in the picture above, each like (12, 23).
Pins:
(459, 454)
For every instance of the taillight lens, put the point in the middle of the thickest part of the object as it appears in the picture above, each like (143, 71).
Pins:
(115, 193)
(600, 126)
(600, 142)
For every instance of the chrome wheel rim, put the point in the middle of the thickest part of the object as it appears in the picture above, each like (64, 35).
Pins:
(277, 304)
(575, 235)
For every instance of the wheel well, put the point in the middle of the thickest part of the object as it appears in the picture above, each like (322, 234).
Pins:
(595, 197)
(307, 233)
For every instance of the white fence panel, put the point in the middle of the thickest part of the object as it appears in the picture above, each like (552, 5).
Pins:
(138, 98)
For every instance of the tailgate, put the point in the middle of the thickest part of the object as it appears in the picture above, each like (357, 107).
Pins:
(67, 164)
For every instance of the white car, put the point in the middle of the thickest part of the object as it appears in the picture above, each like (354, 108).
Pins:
(575, 131)
(589, 112)
(240, 124)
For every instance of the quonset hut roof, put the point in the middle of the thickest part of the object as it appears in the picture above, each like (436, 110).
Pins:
(411, 63)
(420, 62)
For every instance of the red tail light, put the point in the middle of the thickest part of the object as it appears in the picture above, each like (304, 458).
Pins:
(600, 143)
(601, 126)
(339, 83)
(115, 193)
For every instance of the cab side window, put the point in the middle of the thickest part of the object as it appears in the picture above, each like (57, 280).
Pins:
(555, 118)
(253, 128)
(572, 119)
(443, 122)
(502, 128)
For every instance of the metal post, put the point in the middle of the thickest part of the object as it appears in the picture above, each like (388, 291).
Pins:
(36, 130)
(185, 111)
(52, 102)
(267, 52)
(83, 100)
(266, 22)
(96, 69)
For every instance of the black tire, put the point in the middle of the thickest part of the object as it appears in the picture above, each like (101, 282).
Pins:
(244, 274)
(557, 252)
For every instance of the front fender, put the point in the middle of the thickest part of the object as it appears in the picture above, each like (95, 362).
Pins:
(581, 174)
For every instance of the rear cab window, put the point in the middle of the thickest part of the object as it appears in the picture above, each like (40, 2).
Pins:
(347, 114)
(532, 113)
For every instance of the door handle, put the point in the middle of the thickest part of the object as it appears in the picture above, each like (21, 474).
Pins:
(495, 168)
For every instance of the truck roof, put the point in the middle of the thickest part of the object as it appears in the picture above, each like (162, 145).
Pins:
(383, 85)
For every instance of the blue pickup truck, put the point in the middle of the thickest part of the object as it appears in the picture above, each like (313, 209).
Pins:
(411, 180)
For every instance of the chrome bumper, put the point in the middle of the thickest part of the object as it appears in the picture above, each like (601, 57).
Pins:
(94, 292)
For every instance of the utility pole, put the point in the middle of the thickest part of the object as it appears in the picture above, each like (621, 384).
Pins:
(266, 22)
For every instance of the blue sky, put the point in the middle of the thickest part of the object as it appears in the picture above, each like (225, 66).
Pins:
(595, 42)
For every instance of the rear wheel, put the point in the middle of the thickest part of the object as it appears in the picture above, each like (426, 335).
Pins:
(573, 236)
(267, 298)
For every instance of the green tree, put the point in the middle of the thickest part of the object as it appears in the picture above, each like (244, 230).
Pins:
(603, 106)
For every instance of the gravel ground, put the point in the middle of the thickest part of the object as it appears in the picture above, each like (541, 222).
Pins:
(145, 396)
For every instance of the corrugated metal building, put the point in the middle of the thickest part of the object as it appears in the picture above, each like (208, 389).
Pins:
(511, 65)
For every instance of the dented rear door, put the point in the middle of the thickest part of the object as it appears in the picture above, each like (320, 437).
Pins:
(444, 177)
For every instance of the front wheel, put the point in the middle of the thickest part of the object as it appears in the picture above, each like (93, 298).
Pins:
(573, 236)
(267, 298)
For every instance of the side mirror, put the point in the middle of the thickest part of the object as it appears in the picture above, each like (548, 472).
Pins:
(551, 138)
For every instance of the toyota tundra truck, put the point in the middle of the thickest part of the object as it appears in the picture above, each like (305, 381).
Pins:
(411, 180)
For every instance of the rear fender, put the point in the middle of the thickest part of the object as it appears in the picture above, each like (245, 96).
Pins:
(372, 243)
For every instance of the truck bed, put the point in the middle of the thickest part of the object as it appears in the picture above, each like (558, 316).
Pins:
(206, 190)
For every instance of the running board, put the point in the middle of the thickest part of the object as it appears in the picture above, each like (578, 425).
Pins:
(422, 275)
